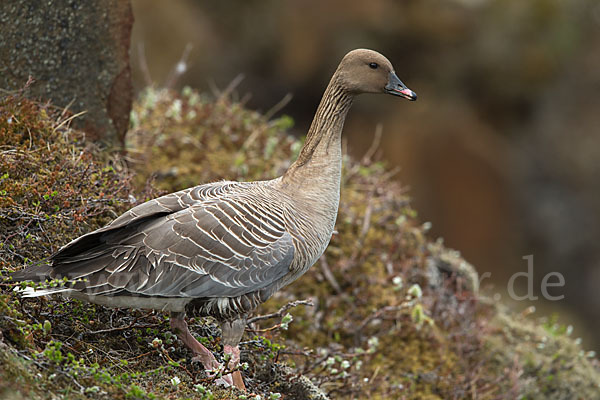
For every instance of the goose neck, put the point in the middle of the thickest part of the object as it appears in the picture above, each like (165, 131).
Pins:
(322, 153)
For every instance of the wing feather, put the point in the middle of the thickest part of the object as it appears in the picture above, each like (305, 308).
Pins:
(183, 245)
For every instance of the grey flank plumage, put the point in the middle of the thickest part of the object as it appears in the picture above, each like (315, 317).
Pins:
(221, 249)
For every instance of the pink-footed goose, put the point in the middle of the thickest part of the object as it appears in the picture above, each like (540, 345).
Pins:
(221, 249)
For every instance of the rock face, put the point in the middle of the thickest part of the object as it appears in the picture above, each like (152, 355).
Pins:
(78, 54)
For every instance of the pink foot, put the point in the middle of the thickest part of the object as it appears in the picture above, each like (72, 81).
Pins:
(201, 353)
(206, 357)
(234, 361)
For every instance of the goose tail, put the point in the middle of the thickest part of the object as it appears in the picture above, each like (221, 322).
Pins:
(33, 292)
(35, 273)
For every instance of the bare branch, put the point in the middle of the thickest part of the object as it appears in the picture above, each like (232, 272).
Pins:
(277, 107)
(329, 275)
(367, 158)
(180, 68)
(377, 315)
(281, 311)
(144, 64)
(132, 325)
(231, 87)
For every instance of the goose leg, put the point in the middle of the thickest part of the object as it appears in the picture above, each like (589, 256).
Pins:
(232, 334)
(201, 353)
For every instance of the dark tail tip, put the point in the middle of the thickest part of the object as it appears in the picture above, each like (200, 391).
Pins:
(34, 273)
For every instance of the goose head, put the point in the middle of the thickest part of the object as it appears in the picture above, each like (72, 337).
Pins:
(367, 71)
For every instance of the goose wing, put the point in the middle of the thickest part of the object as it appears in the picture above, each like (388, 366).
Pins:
(218, 247)
(151, 209)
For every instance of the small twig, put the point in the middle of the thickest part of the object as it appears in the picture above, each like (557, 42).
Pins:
(366, 160)
(389, 174)
(251, 138)
(277, 107)
(367, 219)
(69, 119)
(214, 89)
(376, 315)
(304, 353)
(23, 230)
(66, 109)
(30, 81)
(353, 260)
(329, 275)
(375, 373)
(123, 328)
(140, 356)
(374, 146)
(272, 328)
(166, 355)
(230, 88)
(179, 68)
(282, 310)
(144, 65)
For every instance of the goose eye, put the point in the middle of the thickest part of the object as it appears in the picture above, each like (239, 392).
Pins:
(373, 65)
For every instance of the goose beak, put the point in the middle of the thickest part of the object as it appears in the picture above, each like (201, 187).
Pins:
(397, 88)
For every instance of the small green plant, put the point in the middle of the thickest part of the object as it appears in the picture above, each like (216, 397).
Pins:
(270, 349)
(135, 392)
(53, 352)
(204, 392)
(285, 321)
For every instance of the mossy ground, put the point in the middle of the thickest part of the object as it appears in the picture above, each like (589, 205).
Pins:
(395, 315)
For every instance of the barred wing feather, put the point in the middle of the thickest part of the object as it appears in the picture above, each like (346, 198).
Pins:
(218, 247)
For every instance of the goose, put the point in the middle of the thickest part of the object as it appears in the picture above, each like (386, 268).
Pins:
(221, 249)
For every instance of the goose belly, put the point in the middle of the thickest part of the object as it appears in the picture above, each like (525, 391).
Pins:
(174, 304)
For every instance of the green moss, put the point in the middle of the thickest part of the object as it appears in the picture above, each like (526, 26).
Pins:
(550, 364)
(17, 377)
